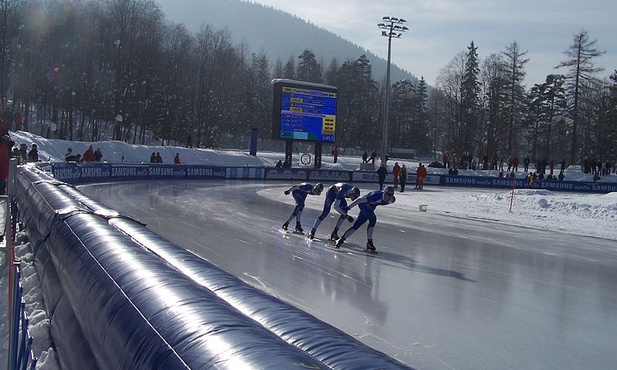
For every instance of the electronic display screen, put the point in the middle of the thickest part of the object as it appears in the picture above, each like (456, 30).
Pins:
(304, 111)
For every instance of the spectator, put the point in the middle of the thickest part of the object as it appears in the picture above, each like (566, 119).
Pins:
(33, 154)
(89, 155)
(420, 176)
(335, 154)
(158, 158)
(70, 157)
(373, 156)
(515, 163)
(74, 158)
(395, 173)
(403, 176)
(531, 178)
(18, 121)
(15, 153)
(98, 155)
(382, 172)
(153, 158)
(23, 153)
(177, 158)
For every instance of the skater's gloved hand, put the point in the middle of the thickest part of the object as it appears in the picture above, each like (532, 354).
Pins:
(349, 218)
(287, 192)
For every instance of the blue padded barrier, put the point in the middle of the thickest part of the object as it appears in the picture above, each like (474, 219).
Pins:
(184, 316)
(73, 349)
(328, 344)
(132, 300)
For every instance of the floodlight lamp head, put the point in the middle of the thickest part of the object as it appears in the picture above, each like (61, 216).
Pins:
(401, 20)
(386, 19)
(384, 33)
(394, 19)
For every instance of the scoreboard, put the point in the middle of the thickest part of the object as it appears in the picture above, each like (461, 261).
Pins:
(304, 111)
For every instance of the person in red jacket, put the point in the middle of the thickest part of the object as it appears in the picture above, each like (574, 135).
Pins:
(89, 155)
(395, 172)
(420, 176)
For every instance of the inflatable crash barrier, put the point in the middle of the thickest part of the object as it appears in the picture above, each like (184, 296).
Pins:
(122, 297)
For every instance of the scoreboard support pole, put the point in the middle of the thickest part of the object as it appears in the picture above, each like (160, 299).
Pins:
(289, 146)
(318, 148)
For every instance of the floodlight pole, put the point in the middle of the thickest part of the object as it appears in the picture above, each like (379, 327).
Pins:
(391, 27)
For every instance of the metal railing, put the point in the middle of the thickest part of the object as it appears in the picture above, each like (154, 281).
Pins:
(20, 355)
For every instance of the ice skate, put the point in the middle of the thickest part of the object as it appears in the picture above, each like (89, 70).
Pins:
(334, 236)
(370, 247)
(339, 242)
(312, 234)
(285, 226)
(299, 229)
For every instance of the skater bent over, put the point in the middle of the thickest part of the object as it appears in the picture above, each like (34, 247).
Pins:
(336, 195)
(299, 193)
(367, 205)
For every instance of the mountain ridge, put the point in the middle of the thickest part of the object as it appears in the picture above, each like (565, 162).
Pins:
(253, 25)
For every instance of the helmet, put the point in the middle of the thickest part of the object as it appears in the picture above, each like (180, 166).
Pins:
(388, 190)
(318, 188)
(353, 192)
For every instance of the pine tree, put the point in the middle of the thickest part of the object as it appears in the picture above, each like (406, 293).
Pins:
(580, 77)
(470, 101)
(357, 114)
(515, 93)
(308, 68)
(548, 104)
(607, 123)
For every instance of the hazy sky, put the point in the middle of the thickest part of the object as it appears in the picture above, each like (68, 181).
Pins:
(439, 29)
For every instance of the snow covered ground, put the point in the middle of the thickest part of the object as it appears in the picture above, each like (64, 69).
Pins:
(563, 212)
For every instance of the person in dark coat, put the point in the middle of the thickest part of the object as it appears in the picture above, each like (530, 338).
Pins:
(382, 172)
(33, 154)
(403, 175)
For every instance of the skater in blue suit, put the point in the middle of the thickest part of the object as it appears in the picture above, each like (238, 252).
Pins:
(299, 193)
(336, 195)
(367, 205)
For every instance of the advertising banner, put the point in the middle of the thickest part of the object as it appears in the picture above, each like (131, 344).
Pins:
(329, 175)
(287, 173)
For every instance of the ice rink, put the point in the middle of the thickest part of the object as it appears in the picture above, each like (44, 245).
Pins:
(443, 292)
